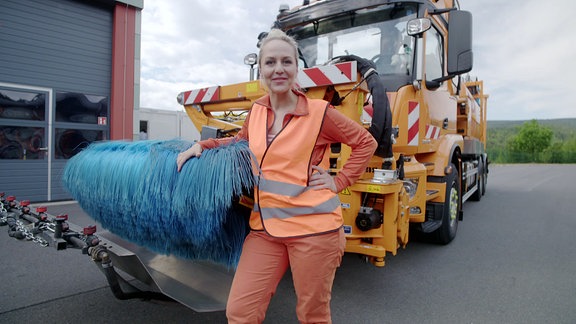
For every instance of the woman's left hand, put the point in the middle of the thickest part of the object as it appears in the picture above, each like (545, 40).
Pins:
(321, 179)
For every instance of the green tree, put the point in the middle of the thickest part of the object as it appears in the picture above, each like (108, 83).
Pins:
(532, 139)
(556, 153)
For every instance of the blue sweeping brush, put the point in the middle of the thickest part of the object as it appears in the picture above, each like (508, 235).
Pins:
(134, 190)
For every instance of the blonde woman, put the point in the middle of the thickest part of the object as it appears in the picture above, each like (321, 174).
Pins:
(296, 221)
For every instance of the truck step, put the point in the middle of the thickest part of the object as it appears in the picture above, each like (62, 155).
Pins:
(432, 194)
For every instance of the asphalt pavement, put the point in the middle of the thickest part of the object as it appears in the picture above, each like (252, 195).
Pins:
(513, 261)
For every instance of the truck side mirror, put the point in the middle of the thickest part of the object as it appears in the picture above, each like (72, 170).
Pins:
(459, 42)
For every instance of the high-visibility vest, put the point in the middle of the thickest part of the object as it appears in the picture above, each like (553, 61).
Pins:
(284, 204)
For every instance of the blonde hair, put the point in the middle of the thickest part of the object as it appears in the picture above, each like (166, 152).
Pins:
(277, 34)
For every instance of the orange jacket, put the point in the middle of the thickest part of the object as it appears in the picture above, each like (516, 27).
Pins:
(284, 204)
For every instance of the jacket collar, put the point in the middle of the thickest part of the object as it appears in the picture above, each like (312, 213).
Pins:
(301, 106)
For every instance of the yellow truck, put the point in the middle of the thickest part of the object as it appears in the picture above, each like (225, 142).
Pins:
(400, 68)
(427, 114)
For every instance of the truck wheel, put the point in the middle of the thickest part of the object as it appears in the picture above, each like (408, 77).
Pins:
(447, 232)
(477, 195)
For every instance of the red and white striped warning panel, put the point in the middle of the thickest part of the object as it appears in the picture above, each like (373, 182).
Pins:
(201, 95)
(313, 77)
(432, 132)
(413, 122)
(328, 74)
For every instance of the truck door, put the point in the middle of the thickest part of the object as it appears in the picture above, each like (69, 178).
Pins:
(438, 95)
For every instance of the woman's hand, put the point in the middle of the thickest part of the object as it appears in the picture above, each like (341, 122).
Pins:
(321, 179)
(194, 151)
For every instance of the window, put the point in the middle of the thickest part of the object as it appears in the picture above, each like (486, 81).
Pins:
(22, 124)
(75, 107)
(22, 105)
(360, 42)
(78, 122)
(376, 33)
(22, 143)
(69, 142)
(434, 55)
(143, 135)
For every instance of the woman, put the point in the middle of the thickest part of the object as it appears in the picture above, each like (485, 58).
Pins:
(297, 220)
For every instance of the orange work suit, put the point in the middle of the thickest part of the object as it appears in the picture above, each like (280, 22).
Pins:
(292, 225)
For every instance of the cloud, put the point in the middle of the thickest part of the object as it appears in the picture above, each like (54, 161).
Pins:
(522, 51)
(191, 44)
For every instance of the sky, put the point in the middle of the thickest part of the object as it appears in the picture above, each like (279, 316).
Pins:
(523, 50)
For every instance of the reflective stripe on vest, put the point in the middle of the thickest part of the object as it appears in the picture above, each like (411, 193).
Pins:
(281, 188)
(283, 213)
(284, 204)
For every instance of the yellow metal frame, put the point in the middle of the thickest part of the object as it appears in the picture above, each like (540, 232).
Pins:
(428, 158)
(392, 201)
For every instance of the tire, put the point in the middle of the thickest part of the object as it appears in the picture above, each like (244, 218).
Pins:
(447, 231)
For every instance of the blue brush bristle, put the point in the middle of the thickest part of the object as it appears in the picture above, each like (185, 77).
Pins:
(134, 190)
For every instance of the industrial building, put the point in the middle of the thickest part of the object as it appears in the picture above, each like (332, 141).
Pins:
(161, 124)
(69, 76)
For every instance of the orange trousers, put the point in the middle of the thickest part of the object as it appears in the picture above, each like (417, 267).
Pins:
(313, 261)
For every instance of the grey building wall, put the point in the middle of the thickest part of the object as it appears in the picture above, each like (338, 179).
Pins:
(62, 45)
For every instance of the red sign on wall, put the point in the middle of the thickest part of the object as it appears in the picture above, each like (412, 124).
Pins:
(102, 121)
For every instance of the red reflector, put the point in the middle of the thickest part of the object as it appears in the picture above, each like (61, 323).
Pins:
(89, 230)
(63, 217)
(41, 209)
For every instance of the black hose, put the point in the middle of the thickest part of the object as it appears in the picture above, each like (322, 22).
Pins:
(30, 218)
(381, 126)
(77, 242)
(13, 230)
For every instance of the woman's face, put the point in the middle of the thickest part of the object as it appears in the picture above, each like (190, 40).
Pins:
(278, 66)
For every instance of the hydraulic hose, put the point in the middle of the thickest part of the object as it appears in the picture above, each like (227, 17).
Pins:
(381, 126)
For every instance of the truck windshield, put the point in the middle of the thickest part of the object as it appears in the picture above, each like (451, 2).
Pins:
(378, 34)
